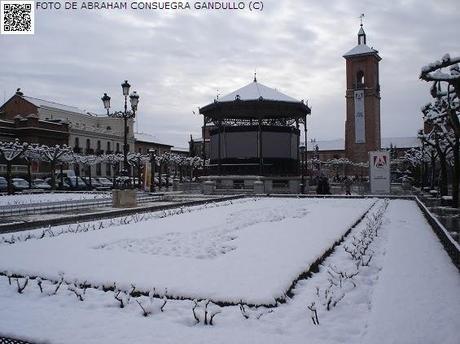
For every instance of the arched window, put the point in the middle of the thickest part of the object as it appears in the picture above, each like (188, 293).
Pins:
(360, 79)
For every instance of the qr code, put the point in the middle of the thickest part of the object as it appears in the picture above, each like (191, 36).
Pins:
(17, 17)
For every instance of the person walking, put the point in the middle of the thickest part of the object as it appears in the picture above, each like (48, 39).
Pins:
(347, 184)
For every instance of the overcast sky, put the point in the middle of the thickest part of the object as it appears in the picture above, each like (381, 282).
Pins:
(179, 60)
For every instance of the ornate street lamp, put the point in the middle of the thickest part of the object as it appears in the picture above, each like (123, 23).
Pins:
(106, 100)
(134, 101)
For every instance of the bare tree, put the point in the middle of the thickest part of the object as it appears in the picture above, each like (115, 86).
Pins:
(52, 155)
(10, 151)
(444, 112)
(89, 161)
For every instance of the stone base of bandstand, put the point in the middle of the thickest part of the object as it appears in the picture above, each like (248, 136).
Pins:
(124, 198)
(250, 184)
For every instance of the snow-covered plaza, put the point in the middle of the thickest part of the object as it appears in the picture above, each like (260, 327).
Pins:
(265, 270)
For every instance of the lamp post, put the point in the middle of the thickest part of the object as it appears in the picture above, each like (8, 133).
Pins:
(126, 114)
(305, 157)
(302, 166)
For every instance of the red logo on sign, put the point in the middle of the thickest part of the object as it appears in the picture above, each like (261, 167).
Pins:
(380, 161)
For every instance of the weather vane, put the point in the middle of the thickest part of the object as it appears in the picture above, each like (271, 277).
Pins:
(361, 18)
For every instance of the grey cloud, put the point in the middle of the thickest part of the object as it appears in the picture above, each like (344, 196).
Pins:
(177, 62)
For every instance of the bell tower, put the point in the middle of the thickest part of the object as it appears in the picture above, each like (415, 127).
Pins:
(362, 125)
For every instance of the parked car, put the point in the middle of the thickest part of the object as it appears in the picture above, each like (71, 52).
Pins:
(57, 184)
(40, 184)
(3, 184)
(105, 182)
(20, 184)
(76, 183)
(95, 184)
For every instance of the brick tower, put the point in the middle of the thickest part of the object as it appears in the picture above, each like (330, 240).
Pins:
(362, 125)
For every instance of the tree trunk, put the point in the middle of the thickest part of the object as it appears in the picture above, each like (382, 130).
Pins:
(61, 182)
(89, 178)
(139, 175)
(456, 175)
(443, 181)
(433, 172)
(53, 175)
(159, 177)
(114, 178)
(167, 175)
(29, 173)
(8, 177)
(77, 174)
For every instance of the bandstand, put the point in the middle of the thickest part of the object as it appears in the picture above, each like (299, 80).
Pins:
(255, 137)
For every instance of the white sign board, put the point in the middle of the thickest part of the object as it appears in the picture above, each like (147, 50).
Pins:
(379, 172)
(360, 128)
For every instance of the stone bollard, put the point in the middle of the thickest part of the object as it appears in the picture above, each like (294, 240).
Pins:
(294, 186)
(209, 187)
(124, 198)
(259, 187)
(115, 198)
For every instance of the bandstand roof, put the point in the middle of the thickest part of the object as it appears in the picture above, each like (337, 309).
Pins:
(254, 91)
(253, 101)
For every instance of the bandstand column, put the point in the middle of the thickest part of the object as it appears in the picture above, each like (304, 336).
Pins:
(203, 146)
(306, 150)
(219, 148)
(261, 155)
(298, 146)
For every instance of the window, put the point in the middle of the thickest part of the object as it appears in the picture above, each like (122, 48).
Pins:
(98, 169)
(140, 150)
(108, 146)
(118, 146)
(360, 79)
(108, 170)
(88, 143)
(98, 145)
(109, 128)
(77, 142)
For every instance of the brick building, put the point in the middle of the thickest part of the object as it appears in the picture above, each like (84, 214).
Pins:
(87, 133)
(362, 125)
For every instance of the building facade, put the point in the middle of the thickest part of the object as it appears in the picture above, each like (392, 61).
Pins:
(87, 133)
(144, 143)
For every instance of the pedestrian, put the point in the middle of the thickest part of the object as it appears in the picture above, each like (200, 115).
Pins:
(348, 182)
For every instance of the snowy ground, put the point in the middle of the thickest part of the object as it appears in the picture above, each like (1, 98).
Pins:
(214, 253)
(404, 290)
(50, 197)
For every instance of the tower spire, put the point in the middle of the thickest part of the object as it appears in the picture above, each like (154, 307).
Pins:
(361, 33)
